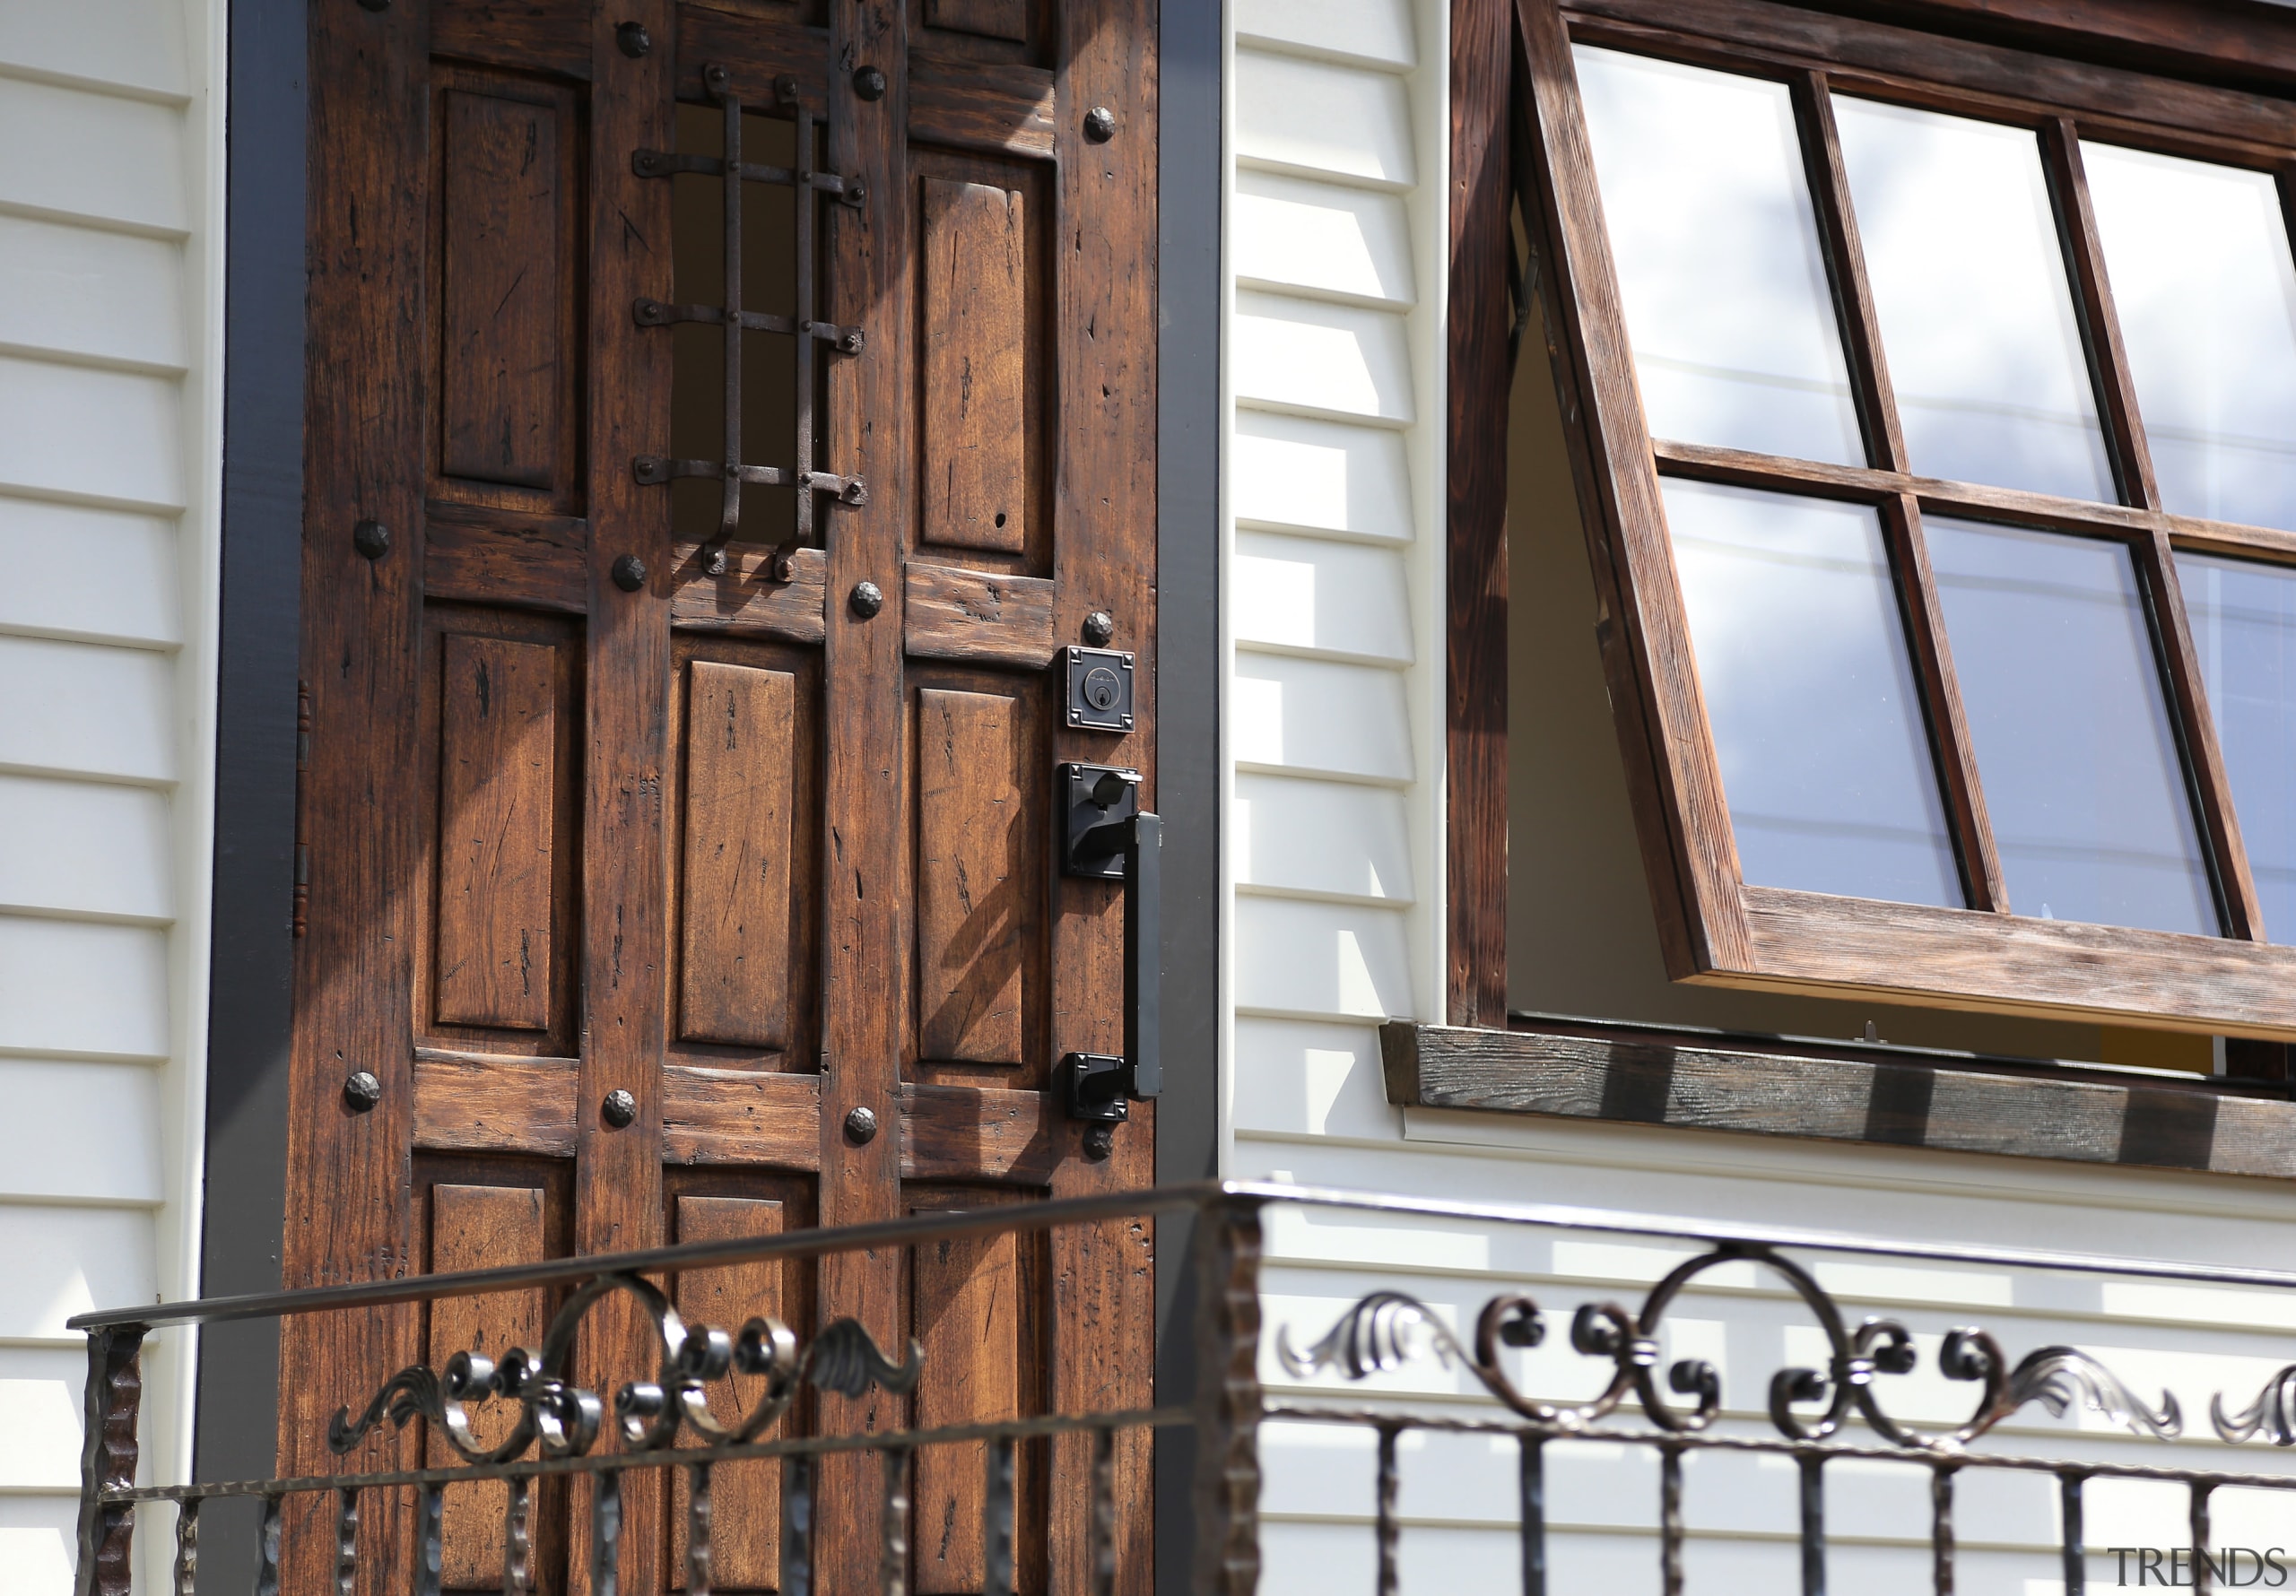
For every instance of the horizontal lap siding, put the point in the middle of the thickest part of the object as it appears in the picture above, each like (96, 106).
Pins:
(1334, 502)
(107, 463)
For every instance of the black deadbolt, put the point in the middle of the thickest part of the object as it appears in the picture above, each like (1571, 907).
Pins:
(633, 38)
(869, 83)
(629, 573)
(867, 599)
(362, 1091)
(619, 1109)
(371, 539)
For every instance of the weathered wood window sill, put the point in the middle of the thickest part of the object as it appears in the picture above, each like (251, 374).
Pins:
(1902, 1097)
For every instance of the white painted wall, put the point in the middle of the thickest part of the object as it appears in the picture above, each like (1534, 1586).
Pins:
(1332, 602)
(112, 142)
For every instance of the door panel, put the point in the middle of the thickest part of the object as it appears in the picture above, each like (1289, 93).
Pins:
(601, 798)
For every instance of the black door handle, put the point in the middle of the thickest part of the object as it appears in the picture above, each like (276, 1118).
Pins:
(1107, 836)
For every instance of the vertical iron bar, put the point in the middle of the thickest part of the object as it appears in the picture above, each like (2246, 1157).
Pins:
(729, 519)
(1103, 1536)
(697, 1530)
(186, 1571)
(1228, 1399)
(346, 1541)
(1670, 1521)
(796, 1526)
(266, 1549)
(430, 1537)
(108, 1456)
(996, 1521)
(1814, 1525)
(1534, 1511)
(518, 1538)
(605, 1533)
(1389, 1534)
(2203, 1572)
(1941, 1530)
(892, 1552)
(808, 361)
(2076, 1561)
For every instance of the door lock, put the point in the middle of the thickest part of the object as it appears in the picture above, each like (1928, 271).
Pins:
(1105, 836)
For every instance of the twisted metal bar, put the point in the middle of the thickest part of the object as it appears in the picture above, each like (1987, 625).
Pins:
(430, 1538)
(266, 1543)
(1531, 1493)
(605, 1535)
(186, 1572)
(996, 1520)
(892, 1554)
(517, 1539)
(1670, 1518)
(2077, 1560)
(796, 1526)
(697, 1530)
(2204, 1571)
(1104, 1525)
(1814, 1525)
(346, 1541)
(1941, 1530)
(1389, 1534)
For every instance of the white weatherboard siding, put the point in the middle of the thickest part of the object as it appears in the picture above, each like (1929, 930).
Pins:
(111, 284)
(1332, 602)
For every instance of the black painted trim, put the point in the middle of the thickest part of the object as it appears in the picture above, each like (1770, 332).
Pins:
(243, 1208)
(1188, 707)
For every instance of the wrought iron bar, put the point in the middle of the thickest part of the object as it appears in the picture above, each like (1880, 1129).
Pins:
(1814, 1525)
(796, 1526)
(346, 1541)
(807, 362)
(518, 1538)
(892, 1527)
(2077, 1560)
(186, 1563)
(996, 1519)
(1389, 1533)
(2204, 1570)
(697, 1530)
(1102, 1545)
(1531, 1493)
(1941, 1530)
(108, 1452)
(430, 1538)
(1670, 1519)
(605, 1535)
(266, 1547)
(719, 85)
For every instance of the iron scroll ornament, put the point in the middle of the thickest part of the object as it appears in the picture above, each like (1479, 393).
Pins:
(566, 1419)
(1386, 1329)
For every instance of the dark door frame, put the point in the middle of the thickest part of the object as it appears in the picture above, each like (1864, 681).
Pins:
(243, 1206)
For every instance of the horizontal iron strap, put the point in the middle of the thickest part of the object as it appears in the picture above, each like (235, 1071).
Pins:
(791, 1244)
(653, 470)
(656, 313)
(1912, 1456)
(608, 1463)
(657, 163)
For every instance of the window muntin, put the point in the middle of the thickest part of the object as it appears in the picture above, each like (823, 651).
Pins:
(2083, 778)
(1716, 245)
(1969, 286)
(1810, 690)
(2202, 279)
(2244, 635)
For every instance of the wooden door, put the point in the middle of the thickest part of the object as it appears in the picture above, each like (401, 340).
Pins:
(598, 800)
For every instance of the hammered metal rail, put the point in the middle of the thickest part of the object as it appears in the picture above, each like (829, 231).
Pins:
(808, 183)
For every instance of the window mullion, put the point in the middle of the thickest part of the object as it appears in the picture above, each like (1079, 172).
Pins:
(1933, 661)
(2076, 225)
(2197, 734)
(1861, 333)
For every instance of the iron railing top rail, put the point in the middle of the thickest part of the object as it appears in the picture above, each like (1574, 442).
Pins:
(1200, 1194)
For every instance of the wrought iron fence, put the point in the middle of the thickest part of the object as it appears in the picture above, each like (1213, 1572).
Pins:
(666, 1422)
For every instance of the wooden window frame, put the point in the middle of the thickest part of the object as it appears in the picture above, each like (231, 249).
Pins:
(1516, 111)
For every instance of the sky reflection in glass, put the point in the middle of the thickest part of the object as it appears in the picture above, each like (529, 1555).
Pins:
(2081, 771)
(1802, 657)
(1976, 316)
(1717, 249)
(2243, 618)
(2197, 256)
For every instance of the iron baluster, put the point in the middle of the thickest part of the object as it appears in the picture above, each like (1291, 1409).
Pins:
(1103, 1509)
(266, 1546)
(605, 1534)
(1941, 1530)
(187, 1565)
(893, 1526)
(517, 1539)
(430, 1540)
(996, 1520)
(108, 1458)
(2204, 1571)
(796, 1526)
(697, 1530)
(1532, 1492)
(1389, 1534)
(1814, 1525)
(2076, 1560)
(1228, 1399)
(346, 1541)
(805, 357)
(1670, 1520)
(719, 84)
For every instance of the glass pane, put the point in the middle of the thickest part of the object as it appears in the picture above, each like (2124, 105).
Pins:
(2081, 771)
(1802, 656)
(1976, 316)
(2244, 627)
(2201, 276)
(1718, 268)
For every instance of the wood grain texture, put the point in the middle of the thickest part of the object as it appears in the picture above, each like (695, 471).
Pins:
(745, 1498)
(973, 106)
(2100, 337)
(738, 797)
(505, 291)
(477, 1227)
(491, 556)
(552, 35)
(744, 602)
(497, 801)
(480, 1103)
(1482, 374)
(975, 399)
(972, 876)
(971, 1305)
(1861, 485)
(982, 617)
(951, 1132)
(993, 19)
(741, 1116)
(1845, 254)
(1703, 1081)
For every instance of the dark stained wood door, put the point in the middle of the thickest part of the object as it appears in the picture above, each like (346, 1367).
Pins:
(599, 800)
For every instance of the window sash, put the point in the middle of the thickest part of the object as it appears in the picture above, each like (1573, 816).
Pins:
(1715, 928)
